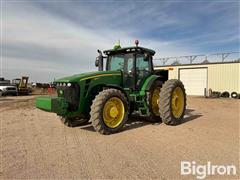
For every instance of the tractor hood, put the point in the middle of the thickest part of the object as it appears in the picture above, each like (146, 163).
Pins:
(88, 75)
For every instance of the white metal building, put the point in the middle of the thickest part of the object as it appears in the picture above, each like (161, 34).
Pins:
(224, 76)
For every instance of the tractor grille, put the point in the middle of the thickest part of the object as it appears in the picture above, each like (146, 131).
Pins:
(70, 93)
(11, 89)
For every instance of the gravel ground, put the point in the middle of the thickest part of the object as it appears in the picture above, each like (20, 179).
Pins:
(35, 144)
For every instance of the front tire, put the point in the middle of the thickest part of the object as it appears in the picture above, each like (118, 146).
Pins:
(109, 111)
(172, 102)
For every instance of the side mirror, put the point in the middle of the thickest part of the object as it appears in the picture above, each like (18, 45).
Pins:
(97, 62)
(146, 56)
(99, 52)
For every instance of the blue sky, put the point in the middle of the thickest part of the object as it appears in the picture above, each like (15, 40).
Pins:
(47, 39)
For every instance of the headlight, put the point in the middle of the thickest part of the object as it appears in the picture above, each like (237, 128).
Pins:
(64, 84)
(61, 92)
(69, 84)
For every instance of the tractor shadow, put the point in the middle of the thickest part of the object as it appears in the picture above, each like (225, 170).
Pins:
(136, 121)
(4, 99)
(190, 115)
(132, 123)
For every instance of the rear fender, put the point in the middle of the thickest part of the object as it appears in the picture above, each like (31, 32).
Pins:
(148, 83)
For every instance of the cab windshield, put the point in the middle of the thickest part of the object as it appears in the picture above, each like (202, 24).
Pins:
(123, 62)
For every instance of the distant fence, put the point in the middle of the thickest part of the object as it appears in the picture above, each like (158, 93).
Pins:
(198, 59)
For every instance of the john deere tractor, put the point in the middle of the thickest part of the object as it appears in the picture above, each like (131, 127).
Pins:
(126, 84)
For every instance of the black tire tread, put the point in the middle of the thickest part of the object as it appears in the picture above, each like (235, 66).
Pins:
(97, 107)
(153, 117)
(165, 102)
(235, 95)
(225, 94)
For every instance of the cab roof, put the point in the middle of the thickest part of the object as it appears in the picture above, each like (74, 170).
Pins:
(129, 49)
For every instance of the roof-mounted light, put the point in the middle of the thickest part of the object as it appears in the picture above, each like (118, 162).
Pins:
(136, 42)
(117, 45)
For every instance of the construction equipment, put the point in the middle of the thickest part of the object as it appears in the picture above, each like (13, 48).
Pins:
(22, 85)
(106, 98)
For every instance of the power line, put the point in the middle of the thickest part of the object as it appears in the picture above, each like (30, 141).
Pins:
(192, 58)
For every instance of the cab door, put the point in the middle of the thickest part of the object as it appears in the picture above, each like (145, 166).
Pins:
(129, 71)
(143, 69)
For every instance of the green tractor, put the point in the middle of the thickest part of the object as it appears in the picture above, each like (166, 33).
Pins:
(108, 97)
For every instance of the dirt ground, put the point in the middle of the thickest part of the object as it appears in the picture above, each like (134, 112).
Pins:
(35, 144)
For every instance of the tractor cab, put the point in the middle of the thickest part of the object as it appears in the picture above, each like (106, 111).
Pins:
(134, 62)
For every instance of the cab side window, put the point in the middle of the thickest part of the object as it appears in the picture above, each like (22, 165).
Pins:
(129, 62)
(141, 64)
(142, 69)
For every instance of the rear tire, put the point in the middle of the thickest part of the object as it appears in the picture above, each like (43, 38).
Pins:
(172, 102)
(109, 111)
(153, 100)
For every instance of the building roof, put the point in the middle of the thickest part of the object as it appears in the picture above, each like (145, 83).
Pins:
(197, 64)
(128, 49)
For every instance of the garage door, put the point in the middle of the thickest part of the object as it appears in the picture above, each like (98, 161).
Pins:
(194, 80)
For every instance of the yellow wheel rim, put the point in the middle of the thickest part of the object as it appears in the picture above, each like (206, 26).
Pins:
(113, 112)
(177, 102)
(155, 100)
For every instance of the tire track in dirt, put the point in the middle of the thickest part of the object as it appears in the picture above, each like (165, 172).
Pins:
(80, 145)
